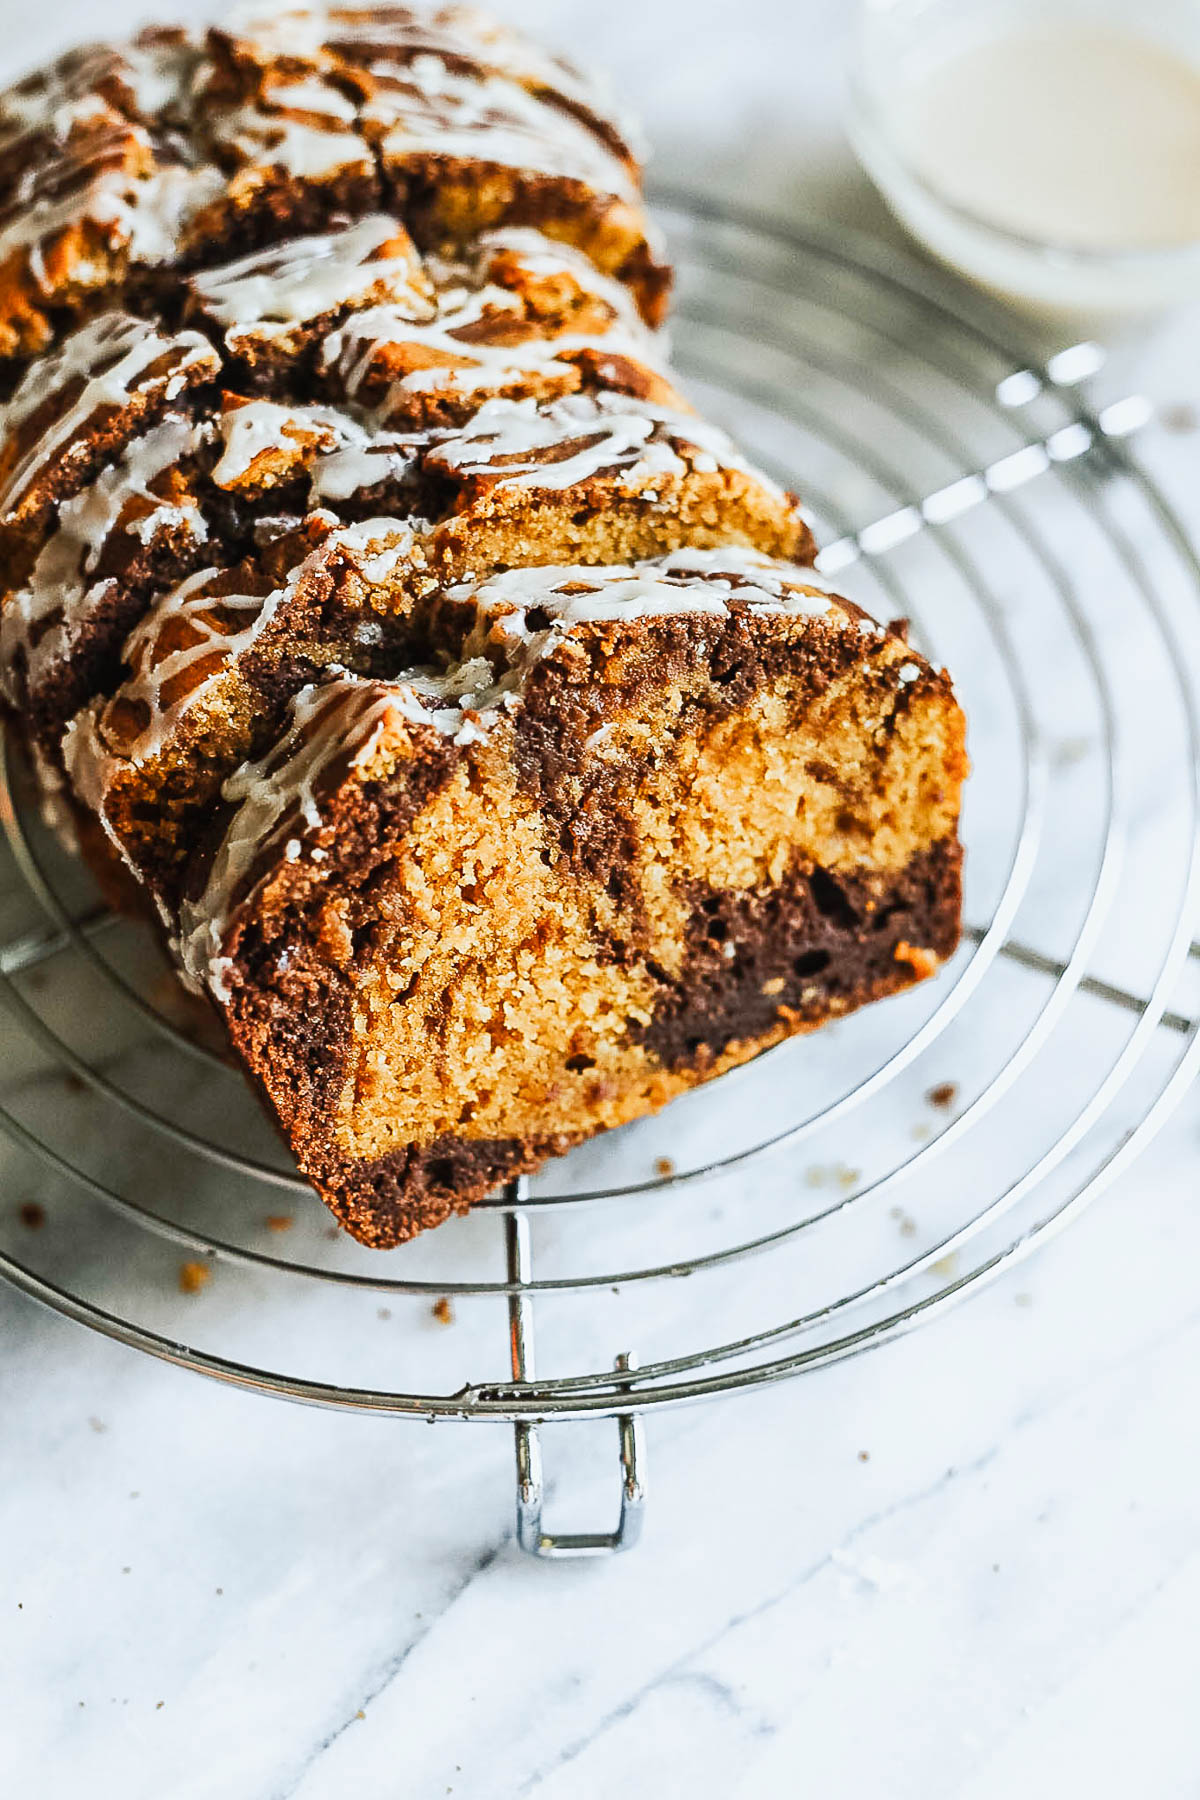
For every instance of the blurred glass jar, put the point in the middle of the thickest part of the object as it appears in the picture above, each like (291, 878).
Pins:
(1047, 149)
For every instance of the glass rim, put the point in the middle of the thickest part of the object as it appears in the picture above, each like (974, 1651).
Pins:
(867, 120)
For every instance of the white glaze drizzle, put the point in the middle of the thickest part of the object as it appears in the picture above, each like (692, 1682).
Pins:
(87, 177)
(155, 212)
(510, 440)
(46, 617)
(146, 213)
(362, 464)
(109, 354)
(426, 108)
(542, 256)
(272, 291)
(153, 671)
(88, 756)
(54, 805)
(59, 99)
(300, 149)
(313, 97)
(376, 547)
(464, 32)
(685, 581)
(695, 582)
(159, 75)
(518, 443)
(487, 365)
(342, 457)
(247, 432)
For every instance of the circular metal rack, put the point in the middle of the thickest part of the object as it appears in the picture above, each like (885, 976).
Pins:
(877, 1172)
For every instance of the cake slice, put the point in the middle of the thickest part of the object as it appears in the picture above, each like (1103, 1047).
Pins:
(414, 342)
(473, 127)
(591, 478)
(659, 819)
(463, 155)
(273, 307)
(137, 530)
(207, 674)
(521, 316)
(77, 409)
(296, 158)
(97, 178)
(209, 669)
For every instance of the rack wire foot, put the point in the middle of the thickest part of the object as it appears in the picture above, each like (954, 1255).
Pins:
(527, 1441)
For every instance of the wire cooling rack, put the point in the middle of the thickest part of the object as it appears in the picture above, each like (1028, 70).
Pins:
(840, 1189)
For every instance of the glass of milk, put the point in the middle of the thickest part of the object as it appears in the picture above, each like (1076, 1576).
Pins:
(1048, 149)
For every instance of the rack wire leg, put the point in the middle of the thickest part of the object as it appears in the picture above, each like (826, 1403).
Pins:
(527, 1441)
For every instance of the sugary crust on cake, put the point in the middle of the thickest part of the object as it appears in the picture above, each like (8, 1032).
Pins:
(620, 796)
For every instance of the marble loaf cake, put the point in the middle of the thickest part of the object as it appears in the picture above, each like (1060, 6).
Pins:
(377, 606)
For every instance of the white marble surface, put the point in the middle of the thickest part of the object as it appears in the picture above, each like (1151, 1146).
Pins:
(966, 1566)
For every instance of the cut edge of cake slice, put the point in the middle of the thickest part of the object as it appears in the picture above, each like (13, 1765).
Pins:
(661, 819)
